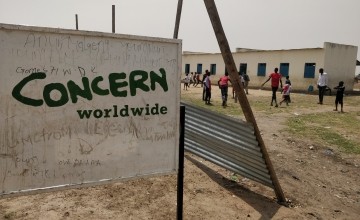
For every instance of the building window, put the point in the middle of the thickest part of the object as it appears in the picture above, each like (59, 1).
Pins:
(261, 69)
(199, 68)
(243, 68)
(284, 69)
(213, 69)
(187, 68)
(309, 70)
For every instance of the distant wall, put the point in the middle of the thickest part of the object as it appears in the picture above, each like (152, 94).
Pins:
(340, 63)
(321, 57)
(82, 107)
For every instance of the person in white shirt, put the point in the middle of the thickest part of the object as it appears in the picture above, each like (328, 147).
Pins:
(322, 84)
(207, 86)
(186, 81)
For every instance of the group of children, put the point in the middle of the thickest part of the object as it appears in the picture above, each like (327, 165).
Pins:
(285, 90)
(340, 89)
(193, 78)
(275, 78)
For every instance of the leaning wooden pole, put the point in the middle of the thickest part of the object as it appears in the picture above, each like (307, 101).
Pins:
(244, 103)
(177, 21)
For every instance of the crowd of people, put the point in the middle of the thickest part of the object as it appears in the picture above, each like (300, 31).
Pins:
(275, 79)
(192, 79)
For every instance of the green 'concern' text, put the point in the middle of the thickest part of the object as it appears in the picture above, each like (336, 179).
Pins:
(119, 85)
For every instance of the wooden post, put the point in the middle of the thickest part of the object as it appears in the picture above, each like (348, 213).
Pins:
(113, 18)
(244, 103)
(177, 21)
(76, 22)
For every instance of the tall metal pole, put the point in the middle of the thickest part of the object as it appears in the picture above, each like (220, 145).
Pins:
(76, 22)
(180, 178)
(177, 21)
(113, 18)
(244, 103)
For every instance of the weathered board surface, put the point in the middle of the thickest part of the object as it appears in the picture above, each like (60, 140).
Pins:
(83, 107)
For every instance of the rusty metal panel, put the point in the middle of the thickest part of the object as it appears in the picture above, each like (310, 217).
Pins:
(225, 141)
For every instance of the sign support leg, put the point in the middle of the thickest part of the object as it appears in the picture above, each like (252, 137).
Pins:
(180, 178)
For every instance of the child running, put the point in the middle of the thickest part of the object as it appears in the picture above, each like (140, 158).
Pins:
(286, 94)
(186, 81)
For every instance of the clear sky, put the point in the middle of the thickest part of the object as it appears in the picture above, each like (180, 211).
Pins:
(257, 24)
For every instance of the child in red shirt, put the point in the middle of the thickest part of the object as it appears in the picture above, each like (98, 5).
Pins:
(286, 94)
(223, 85)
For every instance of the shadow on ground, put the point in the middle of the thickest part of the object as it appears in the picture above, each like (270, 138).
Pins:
(265, 206)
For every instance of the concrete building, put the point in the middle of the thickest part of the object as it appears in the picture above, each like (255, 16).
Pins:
(301, 65)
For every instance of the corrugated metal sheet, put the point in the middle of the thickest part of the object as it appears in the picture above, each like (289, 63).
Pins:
(225, 141)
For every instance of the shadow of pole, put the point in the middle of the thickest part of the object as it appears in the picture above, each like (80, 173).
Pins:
(265, 206)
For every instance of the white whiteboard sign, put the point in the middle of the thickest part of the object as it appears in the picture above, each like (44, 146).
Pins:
(82, 107)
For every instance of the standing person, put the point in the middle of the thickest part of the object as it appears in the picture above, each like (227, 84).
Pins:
(203, 82)
(223, 85)
(287, 81)
(207, 87)
(191, 79)
(275, 80)
(246, 82)
(322, 84)
(203, 78)
(186, 81)
(339, 96)
(286, 93)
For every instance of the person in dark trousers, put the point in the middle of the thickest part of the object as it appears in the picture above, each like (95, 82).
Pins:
(275, 80)
(340, 89)
(203, 78)
(202, 83)
(286, 94)
(287, 81)
(322, 84)
(207, 87)
(223, 84)
(246, 82)
(186, 81)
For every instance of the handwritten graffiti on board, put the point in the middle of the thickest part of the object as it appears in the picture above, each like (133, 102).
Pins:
(81, 107)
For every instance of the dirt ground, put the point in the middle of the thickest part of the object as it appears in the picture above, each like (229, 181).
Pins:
(318, 184)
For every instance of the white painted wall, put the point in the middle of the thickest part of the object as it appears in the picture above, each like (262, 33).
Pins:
(342, 54)
(43, 146)
(340, 64)
(295, 58)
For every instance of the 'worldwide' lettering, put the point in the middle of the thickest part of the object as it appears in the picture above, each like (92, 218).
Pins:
(125, 111)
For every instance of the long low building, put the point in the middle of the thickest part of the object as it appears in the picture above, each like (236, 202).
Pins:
(301, 65)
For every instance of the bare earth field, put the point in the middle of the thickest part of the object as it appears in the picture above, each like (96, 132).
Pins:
(319, 180)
